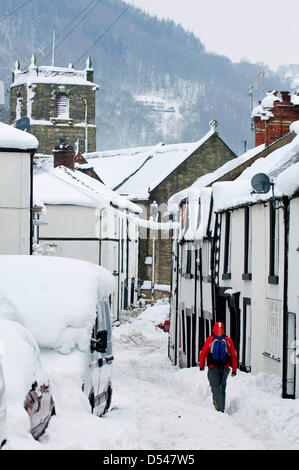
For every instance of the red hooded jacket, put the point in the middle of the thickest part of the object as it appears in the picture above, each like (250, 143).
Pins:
(218, 330)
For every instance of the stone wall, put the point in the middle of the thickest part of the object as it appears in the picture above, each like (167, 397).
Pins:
(42, 107)
(49, 136)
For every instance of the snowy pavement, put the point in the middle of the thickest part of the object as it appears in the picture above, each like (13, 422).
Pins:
(157, 406)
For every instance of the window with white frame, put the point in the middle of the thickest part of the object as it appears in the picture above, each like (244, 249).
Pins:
(273, 329)
(273, 246)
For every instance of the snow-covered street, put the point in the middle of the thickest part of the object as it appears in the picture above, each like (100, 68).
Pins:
(157, 406)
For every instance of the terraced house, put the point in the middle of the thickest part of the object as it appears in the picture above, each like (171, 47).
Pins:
(235, 260)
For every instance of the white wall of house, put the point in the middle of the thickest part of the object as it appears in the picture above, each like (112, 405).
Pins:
(264, 296)
(293, 297)
(71, 221)
(15, 203)
(103, 241)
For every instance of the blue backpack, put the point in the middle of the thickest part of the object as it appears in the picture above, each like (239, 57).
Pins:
(219, 348)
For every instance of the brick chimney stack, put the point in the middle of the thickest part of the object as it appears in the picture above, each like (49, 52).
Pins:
(285, 96)
(64, 155)
(273, 116)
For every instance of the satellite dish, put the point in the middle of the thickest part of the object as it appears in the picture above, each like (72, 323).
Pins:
(261, 183)
(23, 124)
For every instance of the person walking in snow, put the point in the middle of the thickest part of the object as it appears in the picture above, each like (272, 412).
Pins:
(219, 350)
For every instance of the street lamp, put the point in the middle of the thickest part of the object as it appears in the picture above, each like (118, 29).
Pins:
(154, 216)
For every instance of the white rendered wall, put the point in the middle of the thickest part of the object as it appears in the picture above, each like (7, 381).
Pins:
(67, 221)
(258, 289)
(15, 203)
(293, 274)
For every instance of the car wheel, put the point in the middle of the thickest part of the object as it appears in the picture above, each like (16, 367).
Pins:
(108, 400)
(91, 400)
(3, 443)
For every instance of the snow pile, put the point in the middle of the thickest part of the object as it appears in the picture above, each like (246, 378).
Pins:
(22, 365)
(205, 202)
(294, 127)
(12, 138)
(198, 215)
(288, 181)
(269, 100)
(263, 109)
(50, 74)
(54, 298)
(295, 99)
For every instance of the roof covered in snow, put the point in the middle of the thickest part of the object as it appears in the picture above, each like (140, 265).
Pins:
(269, 100)
(207, 195)
(282, 168)
(194, 190)
(62, 185)
(12, 138)
(137, 171)
(51, 74)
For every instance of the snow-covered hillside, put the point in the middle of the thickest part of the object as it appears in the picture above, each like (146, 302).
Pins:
(157, 406)
(139, 58)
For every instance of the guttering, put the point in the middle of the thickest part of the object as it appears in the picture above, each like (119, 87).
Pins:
(253, 203)
(16, 150)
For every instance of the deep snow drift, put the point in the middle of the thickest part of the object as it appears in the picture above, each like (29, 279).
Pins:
(157, 406)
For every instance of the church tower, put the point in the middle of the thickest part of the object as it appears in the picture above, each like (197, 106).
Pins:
(59, 103)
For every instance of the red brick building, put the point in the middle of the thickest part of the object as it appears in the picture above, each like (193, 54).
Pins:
(273, 116)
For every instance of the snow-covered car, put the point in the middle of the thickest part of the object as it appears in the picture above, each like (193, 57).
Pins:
(65, 304)
(26, 383)
(2, 400)
(97, 382)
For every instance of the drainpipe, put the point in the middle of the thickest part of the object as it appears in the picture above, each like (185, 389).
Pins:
(127, 261)
(86, 126)
(213, 266)
(31, 203)
(195, 297)
(118, 282)
(285, 393)
(177, 305)
(100, 236)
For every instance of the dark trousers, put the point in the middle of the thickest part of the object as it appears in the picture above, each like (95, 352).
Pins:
(217, 377)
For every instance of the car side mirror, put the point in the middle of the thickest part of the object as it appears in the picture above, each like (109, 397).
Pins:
(101, 345)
